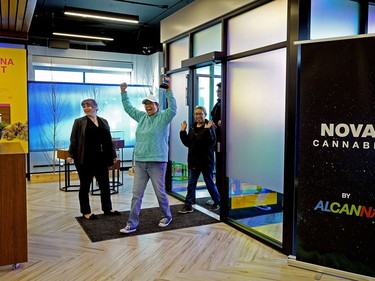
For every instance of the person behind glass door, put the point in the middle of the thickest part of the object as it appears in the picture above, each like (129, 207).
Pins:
(216, 110)
(200, 142)
(150, 153)
(216, 118)
(92, 150)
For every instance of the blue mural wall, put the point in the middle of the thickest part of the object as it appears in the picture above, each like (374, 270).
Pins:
(53, 107)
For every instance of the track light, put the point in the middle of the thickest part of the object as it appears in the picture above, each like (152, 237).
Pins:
(82, 36)
(101, 15)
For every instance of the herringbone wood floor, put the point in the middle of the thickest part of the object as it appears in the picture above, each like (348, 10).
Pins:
(60, 250)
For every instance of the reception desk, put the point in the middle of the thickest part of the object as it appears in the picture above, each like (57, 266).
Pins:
(13, 220)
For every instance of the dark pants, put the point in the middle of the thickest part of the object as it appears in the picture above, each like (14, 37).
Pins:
(192, 185)
(86, 174)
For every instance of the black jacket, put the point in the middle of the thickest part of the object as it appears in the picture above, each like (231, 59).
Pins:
(216, 116)
(201, 143)
(77, 141)
(216, 112)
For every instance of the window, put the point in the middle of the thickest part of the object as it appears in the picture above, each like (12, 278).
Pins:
(44, 75)
(58, 76)
(334, 18)
(371, 18)
(106, 78)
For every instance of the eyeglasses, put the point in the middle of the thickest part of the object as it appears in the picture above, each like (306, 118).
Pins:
(198, 114)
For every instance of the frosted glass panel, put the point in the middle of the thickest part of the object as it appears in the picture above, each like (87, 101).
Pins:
(208, 40)
(258, 28)
(178, 51)
(256, 123)
(371, 19)
(177, 151)
(333, 18)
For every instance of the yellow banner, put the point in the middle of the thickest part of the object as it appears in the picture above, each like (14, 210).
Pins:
(13, 96)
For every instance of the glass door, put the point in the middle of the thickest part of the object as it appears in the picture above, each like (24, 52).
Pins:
(201, 91)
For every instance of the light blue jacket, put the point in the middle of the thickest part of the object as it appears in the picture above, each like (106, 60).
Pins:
(152, 134)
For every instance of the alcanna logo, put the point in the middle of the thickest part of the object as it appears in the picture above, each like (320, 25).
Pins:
(345, 209)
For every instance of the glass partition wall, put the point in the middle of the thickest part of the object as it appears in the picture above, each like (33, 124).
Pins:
(255, 142)
(201, 92)
(259, 71)
(254, 85)
(255, 120)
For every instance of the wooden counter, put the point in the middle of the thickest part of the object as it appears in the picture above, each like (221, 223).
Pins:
(13, 211)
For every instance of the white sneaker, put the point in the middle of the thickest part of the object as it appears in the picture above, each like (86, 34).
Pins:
(263, 207)
(165, 222)
(127, 229)
(210, 202)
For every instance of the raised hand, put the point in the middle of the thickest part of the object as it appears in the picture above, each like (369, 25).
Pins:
(123, 87)
(183, 126)
(209, 124)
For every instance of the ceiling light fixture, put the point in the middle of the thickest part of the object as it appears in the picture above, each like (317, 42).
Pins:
(82, 36)
(145, 4)
(101, 15)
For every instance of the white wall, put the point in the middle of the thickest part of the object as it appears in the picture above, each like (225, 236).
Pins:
(196, 14)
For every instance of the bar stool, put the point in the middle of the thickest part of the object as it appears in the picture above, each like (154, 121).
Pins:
(62, 154)
(114, 182)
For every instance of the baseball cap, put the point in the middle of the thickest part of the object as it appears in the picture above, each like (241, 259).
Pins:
(151, 98)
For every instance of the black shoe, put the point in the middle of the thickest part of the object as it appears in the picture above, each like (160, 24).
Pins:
(90, 218)
(114, 213)
(186, 209)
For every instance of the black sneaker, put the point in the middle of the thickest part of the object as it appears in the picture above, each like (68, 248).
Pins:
(214, 207)
(186, 209)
